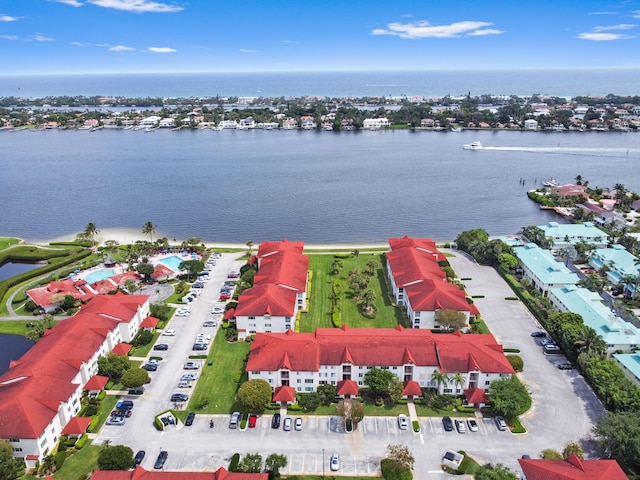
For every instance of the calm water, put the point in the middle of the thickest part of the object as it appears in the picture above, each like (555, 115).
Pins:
(10, 269)
(333, 84)
(12, 347)
(319, 187)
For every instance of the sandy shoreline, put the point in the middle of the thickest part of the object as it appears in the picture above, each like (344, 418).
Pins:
(126, 236)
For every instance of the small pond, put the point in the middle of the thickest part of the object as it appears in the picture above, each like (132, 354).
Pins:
(11, 269)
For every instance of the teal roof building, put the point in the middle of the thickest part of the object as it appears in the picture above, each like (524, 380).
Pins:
(542, 270)
(630, 364)
(564, 234)
(618, 261)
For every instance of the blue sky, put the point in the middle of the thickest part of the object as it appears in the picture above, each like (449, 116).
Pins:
(144, 36)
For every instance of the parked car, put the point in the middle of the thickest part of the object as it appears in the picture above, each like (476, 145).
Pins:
(334, 463)
(121, 412)
(162, 457)
(161, 346)
(116, 421)
(200, 346)
(125, 404)
(235, 419)
(233, 274)
(500, 423)
(169, 333)
(551, 348)
(210, 323)
(275, 421)
(185, 384)
(447, 423)
(188, 377)
(179, 397)
(286, 426)
(150, 367)
(190, 418)
(137, 460)
(538, 334)
(253, 418)
(136, 391)
(217, 310)
(298, 424)
(403, 421)
(472, 424)
(460, 425)
(225, 295)
(191, 366)
(565, 366)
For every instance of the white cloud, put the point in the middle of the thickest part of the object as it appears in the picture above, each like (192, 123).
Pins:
(486, 31)
(71, 3)
(602, 37)
(602, 13)
(7, 18)
(9, 37)
(635, 14)
(291, 42)
(424, 29)
(622, 26)
(161, 50)
(121, 48)
(244, 50)
(140, 6)
(38, 37)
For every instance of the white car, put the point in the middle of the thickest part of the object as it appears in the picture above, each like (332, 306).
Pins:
(403, 422)
(169, 333)
(335, 462)
(217, 310)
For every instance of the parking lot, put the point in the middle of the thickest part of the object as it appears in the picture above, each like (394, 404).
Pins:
(550, 423)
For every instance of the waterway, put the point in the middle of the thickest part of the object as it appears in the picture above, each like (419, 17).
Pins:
(12, 347)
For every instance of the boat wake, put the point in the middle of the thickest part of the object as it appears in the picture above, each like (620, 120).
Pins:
(582, 151)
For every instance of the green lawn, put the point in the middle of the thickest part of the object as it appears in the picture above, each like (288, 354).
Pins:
(107, 404)
(79, 464)
(14, 327)
(6, 242)
(217, 383)
(143, 350)
(319, 307)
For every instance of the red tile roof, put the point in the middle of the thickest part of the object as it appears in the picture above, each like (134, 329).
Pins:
(288, 269)
(284, 393)
(34, 386)
(380, 347)
(475, 395)
(409, 266)
(269, 248)
(120, 306)
(229, 314)
(56, 291)
(149, 322)
(121, 349)
(141, 474)
(76, 426)
(411, 387)
(571, 469)
(431, 295)
(161, 271)
(97, 382)
(347, 387)
(266, 299)
(423, 244)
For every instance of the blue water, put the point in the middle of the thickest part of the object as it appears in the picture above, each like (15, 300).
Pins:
(12, 347)
(11, 269)
(564, 83)
(234, 186)
(172, 262)
(100, 275)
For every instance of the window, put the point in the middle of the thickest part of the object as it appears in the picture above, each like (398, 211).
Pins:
(360, 375)
(267, 325)
(14, 440)
(308, 380)
(17, 449)
(299, 380)
(488, 382)
(252, 318)
(308, 389)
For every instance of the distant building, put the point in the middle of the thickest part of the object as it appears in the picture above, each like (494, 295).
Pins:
(542, 269)
(572, 468)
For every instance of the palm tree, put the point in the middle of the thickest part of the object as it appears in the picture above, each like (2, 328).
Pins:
(631, 283)
(591, 344)
(149, 229)
(336, 265)
(441, 378)
(250, 246)
(356, 253)
(458, 380)
(90, 231)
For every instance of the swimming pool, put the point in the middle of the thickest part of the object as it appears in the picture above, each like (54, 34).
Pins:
(173, 262)
(99, 275)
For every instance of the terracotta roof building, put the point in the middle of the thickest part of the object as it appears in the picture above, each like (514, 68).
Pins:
(419, 284)
(573, 468)
(279, 290)
(40, 393)
(140, 473)
(52, 295)
(335, 355)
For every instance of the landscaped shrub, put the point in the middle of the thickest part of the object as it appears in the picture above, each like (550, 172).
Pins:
(516, 362)
(335, 318)
(391, 470)
(82, 441)
(61, 456)
(101, 395)
(93, 425)
(294, 407)
(90, 410)
(416, 426)
(143, 337)
(233, 464)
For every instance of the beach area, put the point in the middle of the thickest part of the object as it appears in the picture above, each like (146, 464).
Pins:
(126, 236)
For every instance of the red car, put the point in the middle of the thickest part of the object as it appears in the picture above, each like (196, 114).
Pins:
(225, 295)
(252, 420)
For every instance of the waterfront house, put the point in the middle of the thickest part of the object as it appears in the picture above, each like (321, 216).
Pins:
(564, 234)
(167, 123)
(227, 124)
(619, 335)
(289, 124)
(40, 393)
(279, 290)
(618, 263)
(330, 356)
(420, 285)
(542, 269)
(375, 123)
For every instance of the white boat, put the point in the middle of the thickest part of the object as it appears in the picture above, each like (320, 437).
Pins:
(472, 146)
(550, 183)
(456, 129)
